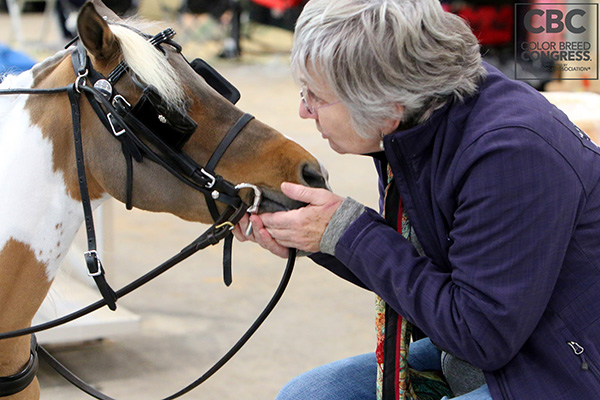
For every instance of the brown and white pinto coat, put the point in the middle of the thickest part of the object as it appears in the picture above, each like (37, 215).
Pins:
(40, 207)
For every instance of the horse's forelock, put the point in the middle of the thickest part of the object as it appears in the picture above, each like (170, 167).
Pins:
(149, 65)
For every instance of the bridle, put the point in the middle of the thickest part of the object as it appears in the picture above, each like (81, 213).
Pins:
(130, 125)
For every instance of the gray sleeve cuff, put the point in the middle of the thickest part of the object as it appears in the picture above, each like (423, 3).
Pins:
(345, 215)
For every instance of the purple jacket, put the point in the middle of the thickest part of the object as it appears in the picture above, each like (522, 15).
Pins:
(503, 192)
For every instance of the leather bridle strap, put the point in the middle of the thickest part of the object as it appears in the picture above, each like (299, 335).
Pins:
(210, 200)
(71, 377)
(95, 269)
(220, 151)
(211, 236)
(117, 117)
(183, 168)
(176, 163)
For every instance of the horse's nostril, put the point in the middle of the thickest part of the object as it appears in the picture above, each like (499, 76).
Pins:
(313, 176)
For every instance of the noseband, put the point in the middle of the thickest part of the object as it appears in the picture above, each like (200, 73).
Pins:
(136, 129)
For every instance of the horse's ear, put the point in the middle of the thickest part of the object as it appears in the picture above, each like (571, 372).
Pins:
(104, 11)
(95, 34)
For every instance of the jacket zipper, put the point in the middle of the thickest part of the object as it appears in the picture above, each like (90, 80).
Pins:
(578, 350)
(413, 193)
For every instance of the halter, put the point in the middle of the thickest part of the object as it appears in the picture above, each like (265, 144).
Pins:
(129, 125)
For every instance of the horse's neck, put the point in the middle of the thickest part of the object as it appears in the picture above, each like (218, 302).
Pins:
(36, 209)
(38, 217)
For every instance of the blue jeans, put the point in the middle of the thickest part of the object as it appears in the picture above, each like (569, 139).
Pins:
(354, 378)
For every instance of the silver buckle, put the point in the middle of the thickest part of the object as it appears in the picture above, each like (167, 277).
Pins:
(120, 98)
(112, 126)
(94, 254)
(80, 81)
(213, 180)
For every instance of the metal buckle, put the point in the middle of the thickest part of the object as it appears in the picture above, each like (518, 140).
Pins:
(112, 126)
(213, 180)
(227, 224)
(121, 98)
(92, 256)
(80, 80)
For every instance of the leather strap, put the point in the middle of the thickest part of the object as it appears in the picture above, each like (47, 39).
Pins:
(207, 239)
(198, 179)
(71, 377)
(18, 382)
(92, 261)
(210, 202)
(227, 140)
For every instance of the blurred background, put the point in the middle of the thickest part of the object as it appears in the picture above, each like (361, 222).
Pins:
(171, 331)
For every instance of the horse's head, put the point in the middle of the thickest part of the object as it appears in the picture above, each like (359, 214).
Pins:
(259, 155)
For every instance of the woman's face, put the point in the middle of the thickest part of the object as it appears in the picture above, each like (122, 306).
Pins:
(333, 121)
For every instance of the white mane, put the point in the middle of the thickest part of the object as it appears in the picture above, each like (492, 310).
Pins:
(149, 65)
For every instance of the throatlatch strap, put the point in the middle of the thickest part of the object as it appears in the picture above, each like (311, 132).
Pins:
(92, 261)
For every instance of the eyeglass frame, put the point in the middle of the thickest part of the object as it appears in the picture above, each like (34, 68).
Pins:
(311, 110)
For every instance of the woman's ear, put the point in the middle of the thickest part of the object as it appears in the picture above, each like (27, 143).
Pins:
(391, 124)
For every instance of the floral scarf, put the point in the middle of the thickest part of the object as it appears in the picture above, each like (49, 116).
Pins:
(395, 379)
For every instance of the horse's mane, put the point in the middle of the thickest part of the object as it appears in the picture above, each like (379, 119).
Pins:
(148, 64)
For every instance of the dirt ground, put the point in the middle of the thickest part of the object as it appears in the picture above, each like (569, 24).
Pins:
(188, 317)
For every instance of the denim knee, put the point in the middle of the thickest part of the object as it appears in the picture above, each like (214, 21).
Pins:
(352, 378)
(424, 356)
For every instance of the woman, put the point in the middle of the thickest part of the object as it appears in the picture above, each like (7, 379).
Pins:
(491, 199)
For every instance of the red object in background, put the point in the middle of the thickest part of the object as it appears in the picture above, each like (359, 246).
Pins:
(278, 4)
(492, 25)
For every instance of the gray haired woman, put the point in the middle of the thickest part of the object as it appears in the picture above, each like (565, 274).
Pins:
(490, 203)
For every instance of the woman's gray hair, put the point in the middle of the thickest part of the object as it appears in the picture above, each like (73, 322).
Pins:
(378, 54)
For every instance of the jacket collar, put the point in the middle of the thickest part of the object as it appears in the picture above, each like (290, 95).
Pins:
(415, 140)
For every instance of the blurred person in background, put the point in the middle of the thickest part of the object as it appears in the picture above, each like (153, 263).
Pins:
(487, 236)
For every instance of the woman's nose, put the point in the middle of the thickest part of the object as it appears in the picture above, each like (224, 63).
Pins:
(303, 112)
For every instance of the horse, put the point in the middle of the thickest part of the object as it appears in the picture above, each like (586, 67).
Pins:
(40, 197)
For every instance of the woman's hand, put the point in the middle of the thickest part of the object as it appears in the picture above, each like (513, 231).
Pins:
(259, 235)
(301, 229)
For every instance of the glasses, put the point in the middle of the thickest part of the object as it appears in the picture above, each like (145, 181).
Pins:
(310, 108)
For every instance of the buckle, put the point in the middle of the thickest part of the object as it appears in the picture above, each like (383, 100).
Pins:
(80, 81)
(92, 260)
(227, 224)
(212, 179)
(110, 117)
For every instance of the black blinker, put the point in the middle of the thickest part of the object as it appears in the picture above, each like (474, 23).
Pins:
(172, 126)
(216, 80)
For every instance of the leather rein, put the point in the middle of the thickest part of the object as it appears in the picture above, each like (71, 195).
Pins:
(115, 113)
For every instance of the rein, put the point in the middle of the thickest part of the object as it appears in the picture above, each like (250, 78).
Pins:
(117, 116)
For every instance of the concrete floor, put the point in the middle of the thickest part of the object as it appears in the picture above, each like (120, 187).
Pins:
(188, 317)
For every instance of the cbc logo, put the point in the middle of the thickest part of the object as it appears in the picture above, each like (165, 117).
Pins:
(555, 21)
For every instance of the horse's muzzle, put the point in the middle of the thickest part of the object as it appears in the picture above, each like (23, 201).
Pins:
(312, 175)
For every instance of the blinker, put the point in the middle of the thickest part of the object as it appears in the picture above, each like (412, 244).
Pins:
(172, 126)
(216, 80)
